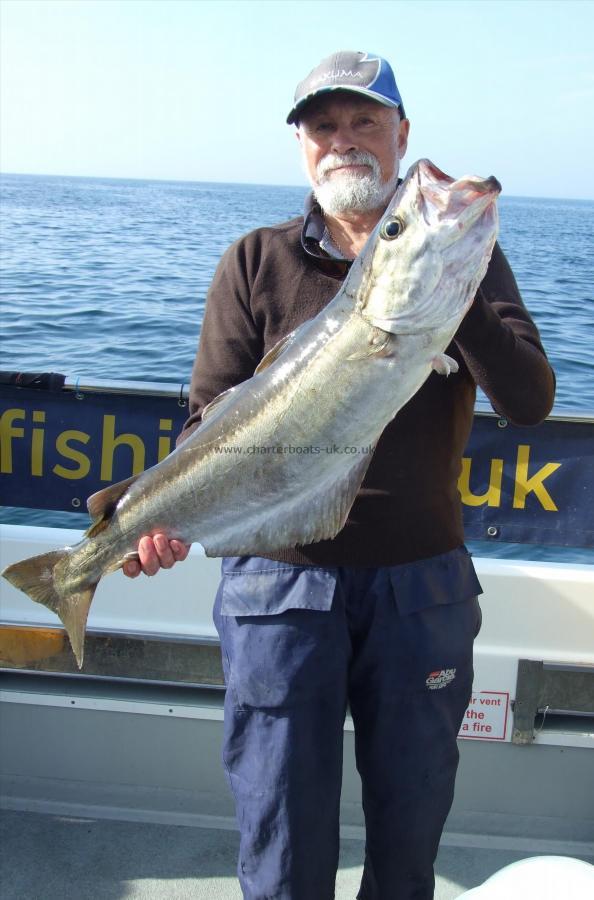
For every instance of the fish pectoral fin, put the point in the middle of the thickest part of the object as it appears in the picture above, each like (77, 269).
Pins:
(381, 343)
(279, 348)
(36, 578)
(444, 364)
(102, 504)
(390, 326)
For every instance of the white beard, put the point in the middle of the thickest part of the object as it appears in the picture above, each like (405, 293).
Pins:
(341, 192)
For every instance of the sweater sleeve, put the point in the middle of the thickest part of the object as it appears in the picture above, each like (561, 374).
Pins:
(501, 346)
(230, 345)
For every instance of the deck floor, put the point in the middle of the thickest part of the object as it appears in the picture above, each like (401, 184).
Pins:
(68, 858)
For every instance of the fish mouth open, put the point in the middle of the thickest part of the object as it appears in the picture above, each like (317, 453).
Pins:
(442, 198)
(449, 196)
(471, 189)
(427, 171)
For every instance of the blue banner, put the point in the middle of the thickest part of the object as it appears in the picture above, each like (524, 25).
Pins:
(525, 485)
(529, 485)
(59, 447)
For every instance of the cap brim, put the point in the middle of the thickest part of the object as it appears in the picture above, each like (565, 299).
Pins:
(371, 95)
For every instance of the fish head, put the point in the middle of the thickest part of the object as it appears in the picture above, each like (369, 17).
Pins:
(424, 261)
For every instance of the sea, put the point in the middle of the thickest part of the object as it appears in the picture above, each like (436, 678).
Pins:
(107, 279)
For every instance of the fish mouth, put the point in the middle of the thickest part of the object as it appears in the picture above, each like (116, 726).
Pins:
(470, 190)
(427, 171)
(450, 197)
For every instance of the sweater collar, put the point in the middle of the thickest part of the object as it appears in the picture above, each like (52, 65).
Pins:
(311, 235)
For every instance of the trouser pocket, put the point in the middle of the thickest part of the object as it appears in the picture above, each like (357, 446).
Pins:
(277, 631)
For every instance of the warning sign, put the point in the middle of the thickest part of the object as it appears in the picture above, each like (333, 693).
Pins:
(486, 716)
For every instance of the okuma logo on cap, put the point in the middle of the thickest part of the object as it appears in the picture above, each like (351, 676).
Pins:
(334, 75)
(363, 73)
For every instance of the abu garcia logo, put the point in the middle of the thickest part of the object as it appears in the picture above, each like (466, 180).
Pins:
(440, 679)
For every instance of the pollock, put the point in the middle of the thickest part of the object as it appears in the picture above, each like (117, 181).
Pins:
(239, 485)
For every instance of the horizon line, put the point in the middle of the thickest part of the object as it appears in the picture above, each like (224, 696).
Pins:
(243, 183)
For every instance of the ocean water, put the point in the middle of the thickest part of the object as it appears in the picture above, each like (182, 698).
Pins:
(107, 278)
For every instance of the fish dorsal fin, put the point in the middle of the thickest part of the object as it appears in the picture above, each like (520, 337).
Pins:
(219, 403)
(279, 348)
(101, 504)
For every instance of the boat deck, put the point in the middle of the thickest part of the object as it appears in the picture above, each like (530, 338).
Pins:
(76, 858)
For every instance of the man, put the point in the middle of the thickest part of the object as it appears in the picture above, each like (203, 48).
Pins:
(364, 618)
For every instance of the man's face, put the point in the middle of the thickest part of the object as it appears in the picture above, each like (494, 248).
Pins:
(337, 132)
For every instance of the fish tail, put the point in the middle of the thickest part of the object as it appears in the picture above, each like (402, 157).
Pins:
(37, 577)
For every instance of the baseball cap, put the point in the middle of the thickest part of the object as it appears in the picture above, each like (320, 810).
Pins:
(349, 70)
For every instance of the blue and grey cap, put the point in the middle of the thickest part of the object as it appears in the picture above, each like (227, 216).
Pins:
(349, 70)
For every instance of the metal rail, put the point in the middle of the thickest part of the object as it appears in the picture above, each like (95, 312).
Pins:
(113, 654)
(181, 391)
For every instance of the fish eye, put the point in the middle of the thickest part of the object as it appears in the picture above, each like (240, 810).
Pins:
(392, 228)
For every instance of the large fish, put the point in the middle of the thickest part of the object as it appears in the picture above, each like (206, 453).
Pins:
(258, 475)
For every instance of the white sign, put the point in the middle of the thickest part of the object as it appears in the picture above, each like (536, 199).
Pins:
(486, 716)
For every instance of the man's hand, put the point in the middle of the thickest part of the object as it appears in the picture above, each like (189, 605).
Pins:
(155, 553)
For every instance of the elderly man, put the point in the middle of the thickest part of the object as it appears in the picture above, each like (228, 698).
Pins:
(365, 619)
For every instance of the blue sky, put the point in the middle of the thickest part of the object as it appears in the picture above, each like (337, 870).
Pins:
(198, 90)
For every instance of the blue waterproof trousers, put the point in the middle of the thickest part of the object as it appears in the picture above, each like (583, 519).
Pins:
(298, 644)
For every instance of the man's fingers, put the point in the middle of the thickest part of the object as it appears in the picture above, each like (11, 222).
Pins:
(155, 553)
(149, 559)
(131, 568)
(164, 551)
(180, 551)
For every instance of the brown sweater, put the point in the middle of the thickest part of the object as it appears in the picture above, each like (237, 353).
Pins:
(408, 508)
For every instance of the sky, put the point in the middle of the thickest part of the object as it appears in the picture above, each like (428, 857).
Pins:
(196, 90)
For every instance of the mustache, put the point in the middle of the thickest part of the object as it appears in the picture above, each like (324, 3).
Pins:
(355, 157)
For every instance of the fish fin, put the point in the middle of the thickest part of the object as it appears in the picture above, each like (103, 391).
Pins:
(97, 527)
(36, 578)
(390, 326)
(74, 612)
(218, 403)
(316, 515)
(403, 323)
(119, 563)
(279, 348)
(102, 504)
(380, 344)
(444, 364)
